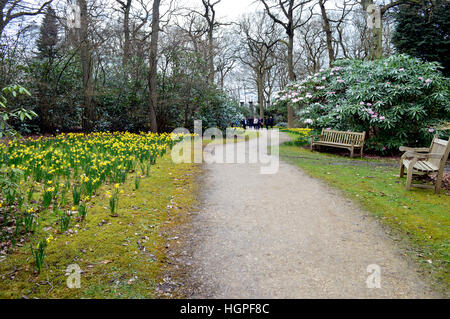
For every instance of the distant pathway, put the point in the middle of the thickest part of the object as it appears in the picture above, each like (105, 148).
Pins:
(288, 235)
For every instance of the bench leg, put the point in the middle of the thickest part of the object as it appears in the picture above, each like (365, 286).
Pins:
(361, 152)
(437, 187)
(409, 178)
(402, 170)
(352, 152)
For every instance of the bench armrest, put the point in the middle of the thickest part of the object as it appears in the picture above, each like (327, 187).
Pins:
(414, 149)
(411, 154)
(434, 155)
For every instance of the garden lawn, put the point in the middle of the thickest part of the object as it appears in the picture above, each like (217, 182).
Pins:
(120, 257)
(419, 219)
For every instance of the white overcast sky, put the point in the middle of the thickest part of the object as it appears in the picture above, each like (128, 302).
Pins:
(231, 10)
(228, 9)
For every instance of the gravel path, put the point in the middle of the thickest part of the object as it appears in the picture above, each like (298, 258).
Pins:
(288, 235)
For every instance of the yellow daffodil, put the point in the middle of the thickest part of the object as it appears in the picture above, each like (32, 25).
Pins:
(49, 239)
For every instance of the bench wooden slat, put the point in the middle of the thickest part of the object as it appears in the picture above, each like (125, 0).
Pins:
(342, 139)
(423, 166)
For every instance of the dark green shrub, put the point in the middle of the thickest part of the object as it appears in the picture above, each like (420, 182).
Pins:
(398, 100)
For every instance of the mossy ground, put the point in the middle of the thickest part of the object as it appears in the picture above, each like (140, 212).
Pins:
(419, 219)
(120, 257)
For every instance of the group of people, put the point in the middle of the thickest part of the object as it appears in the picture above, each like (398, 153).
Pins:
(258, 123)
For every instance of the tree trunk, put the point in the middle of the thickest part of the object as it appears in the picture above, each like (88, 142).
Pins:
(327, 30)
(211, 54)
(260, 87)
(126, 31)
(291, 74)
(376, 32)
(87, 69)
(152, 85)
(44, 105)
(377, 44)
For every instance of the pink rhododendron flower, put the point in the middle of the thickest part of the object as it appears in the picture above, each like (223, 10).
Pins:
(428, 81)
(430, 130)
(382, 118)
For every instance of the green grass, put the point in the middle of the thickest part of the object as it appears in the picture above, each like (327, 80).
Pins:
(418, 218)
(240, 137)
(106, 248)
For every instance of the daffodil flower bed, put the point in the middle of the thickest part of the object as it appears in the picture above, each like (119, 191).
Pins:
(59, 187)
(301, 135)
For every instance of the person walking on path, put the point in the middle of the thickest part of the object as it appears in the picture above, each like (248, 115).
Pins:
(271, 121)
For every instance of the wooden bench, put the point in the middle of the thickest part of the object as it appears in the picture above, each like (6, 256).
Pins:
(425, 160)
(340, 139)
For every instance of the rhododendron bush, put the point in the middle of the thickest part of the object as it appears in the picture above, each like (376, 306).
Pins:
(398, 100)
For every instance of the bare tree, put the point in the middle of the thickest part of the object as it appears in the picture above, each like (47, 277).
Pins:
(376, 34)
(225, 57)
(289, 15)
(86, 67)
(125, 7)
(210, 16)
(327, 30)
(13, 9)
(131, 25)
(153, 61)
(331, 22)
(260, 39)
(311, 37)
